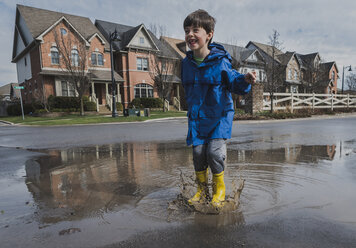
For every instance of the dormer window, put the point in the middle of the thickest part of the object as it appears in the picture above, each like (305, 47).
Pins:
(333, 75)
(54, 56)
(142, 40)
(63, 31)
(97, 59)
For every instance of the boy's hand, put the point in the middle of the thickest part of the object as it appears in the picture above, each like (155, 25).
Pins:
(250, 77)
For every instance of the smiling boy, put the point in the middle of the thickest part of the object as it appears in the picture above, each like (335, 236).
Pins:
(208, 81)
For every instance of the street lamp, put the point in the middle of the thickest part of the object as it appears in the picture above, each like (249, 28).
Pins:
(343, 69)
(113, 37)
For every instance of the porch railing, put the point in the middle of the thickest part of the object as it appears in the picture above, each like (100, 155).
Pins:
(109, 101)
(166, 104)
(93, 98)
(176, 103)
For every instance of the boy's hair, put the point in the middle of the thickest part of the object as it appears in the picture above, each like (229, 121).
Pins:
(200, 18)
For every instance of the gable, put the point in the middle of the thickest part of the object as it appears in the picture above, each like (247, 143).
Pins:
(142, 39)
(63, 20)
(255, 57)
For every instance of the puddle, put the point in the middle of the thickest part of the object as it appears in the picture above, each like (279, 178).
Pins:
(146, 185)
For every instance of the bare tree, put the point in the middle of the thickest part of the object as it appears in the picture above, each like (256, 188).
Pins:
(275, 71)
(351, 82)
(40, 95)
(161, 72)
(73, 54)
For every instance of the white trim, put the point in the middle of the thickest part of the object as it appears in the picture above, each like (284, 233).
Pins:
(148, 34)
(40, 37)
(96, 34)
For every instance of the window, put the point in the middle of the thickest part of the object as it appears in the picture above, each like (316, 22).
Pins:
(143, 90)
(333, 75)
(63, 31)
(253, 57)
(54, 56)
(260, 74)
(289, 74)
(67, 89)
(142, 64)
(97, 59)
(75, 57)
(142, 40)
(294, 89)
(25, 61)
(295, 75)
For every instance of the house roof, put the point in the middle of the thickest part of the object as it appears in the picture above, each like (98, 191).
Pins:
(177, 45)
(127, 33)
(5, 90)
(285, 57)
(39, 20)
(267, 49)
(327, 66)
(96, 75)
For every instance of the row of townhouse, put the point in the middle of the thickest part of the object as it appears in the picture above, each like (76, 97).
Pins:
(40, 65)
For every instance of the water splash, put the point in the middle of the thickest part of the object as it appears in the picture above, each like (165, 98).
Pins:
(188, 187)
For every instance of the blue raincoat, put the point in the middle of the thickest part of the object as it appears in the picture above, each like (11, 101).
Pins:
(208, 88)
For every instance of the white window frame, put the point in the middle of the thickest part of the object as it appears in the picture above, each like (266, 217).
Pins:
(142, 64)
(96, 60)
(75, 57)
(54, 50)
(143, 90)
(67, 89)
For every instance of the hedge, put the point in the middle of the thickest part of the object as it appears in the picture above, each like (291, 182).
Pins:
(146, 103)
(15, 109)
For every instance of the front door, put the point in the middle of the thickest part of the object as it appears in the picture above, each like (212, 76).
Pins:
(99, 92)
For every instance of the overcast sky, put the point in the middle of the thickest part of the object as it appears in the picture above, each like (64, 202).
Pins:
(305, 26)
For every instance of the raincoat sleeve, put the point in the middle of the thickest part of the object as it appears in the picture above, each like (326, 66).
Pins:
(235, 81)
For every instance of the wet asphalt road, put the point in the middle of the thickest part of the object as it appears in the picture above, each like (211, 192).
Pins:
(108, 186)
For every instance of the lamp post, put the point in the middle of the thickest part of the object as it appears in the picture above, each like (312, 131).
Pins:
(343, 69)
(113, 37)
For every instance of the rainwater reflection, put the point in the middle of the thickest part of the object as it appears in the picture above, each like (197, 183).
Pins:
(87, 182)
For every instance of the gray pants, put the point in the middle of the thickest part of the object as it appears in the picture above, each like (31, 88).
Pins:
(212, 154)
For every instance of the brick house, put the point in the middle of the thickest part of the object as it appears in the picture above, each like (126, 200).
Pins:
(137, 56)
(304, 73)
(40, 66)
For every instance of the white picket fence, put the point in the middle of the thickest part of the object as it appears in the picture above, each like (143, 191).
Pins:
(293, 101)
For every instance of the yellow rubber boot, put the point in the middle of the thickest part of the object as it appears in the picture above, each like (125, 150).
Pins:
(218, 190)
(202, 189)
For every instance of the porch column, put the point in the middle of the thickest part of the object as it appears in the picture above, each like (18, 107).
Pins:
(106, 90)
(118, 99)
(177, 87)
(92, 89)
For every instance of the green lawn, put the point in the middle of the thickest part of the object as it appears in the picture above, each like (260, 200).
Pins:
(87, 119)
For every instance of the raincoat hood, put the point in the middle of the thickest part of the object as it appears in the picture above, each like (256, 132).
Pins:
(217, 52)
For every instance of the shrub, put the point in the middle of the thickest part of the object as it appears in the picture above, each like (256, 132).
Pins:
(119, 106)
(64, 102)
(15, 109)
(89, 106)
(147, 102)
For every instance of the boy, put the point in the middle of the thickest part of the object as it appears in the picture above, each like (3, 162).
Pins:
(208, 81)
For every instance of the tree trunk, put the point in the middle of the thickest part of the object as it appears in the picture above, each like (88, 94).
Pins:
(81, 106)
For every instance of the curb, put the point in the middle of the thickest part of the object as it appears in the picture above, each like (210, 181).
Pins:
(7, 122)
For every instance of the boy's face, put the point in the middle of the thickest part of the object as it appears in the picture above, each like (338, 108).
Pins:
(196, 37)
